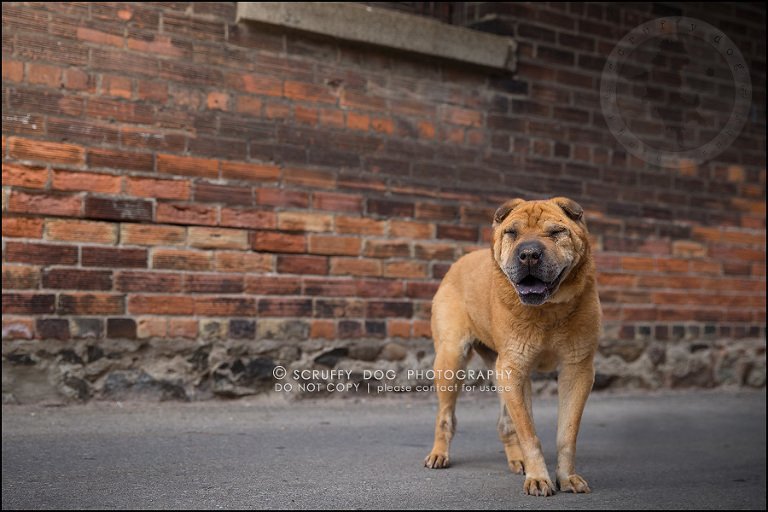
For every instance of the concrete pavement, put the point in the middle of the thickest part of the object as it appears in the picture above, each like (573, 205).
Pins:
(691, 450)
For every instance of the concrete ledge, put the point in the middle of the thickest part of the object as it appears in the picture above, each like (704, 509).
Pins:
(383, 27)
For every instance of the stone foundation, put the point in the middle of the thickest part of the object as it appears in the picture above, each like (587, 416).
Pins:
(162, 369)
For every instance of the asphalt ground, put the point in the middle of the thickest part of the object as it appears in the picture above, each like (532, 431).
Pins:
(682, 450)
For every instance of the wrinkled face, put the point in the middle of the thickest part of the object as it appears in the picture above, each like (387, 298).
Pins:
(537, 243)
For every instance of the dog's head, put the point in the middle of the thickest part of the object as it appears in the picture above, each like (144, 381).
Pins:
(537, 244)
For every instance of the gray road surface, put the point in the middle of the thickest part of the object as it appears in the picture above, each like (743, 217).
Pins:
(667, 451)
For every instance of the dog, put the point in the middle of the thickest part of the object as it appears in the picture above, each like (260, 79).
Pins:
(529, 303)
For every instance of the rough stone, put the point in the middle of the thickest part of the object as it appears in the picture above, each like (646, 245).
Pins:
(393, 352)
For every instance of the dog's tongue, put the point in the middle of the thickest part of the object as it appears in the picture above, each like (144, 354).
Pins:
(531, 285)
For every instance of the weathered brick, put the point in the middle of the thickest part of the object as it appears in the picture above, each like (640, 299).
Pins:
(178, 259)
(405, 269)
(158, 189)
(397, 328)
(77, 279)
(40, 254)
(187, 166)
(19, 277)
(285, 307)
(28, 303)
(385, 309)
(387, 208)
(272, 285)
(186, 213)
(326, 287)
(212, 193)
(91, 182)
(18, 328)
(118, 209)
(217, 238)
(213, 283)
(333, 201)
(334, 245)
(410, 229)
(52, 328)
(152, 234)
(322, 329)
(22, 227)
(90, 304)
(161, 305)
(339, 308)
(247, 218)
(114, 257)
(300, 221)
(387, 249)
(49, 152)
(138, 281)
(249, 171)
(307, 92)
(359, 226)
(355, 266)
(295, 264)
(26, 176)
(243, 262)
(81, 231)
(41, 203)
(121, 328)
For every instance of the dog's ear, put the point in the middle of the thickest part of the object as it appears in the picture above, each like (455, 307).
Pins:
(571, 208)
(504, 210)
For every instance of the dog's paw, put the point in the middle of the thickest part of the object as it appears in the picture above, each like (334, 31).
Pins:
(437, 461)
(538, 486)
(517, 467)
(574, 484)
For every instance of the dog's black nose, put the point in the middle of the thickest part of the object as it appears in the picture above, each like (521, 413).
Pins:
(530, 252)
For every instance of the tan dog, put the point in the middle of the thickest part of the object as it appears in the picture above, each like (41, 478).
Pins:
(528, 303)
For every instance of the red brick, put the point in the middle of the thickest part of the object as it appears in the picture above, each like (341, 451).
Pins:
(18, 328)
(182, 328)
(118, 209)
(243, 262)
(333, 201)
(405, 269)
(326, 287)
(247, 218)
(398, 328)
(42, 74)
(257, 84)
(426, 130)
(40, 254)
(465, 233)
(145, 234)
(118, 86)
(422, 329)
(213, 283)
(322, 329)
(355, 266)
(386, 309)
(334, 245)
(143, 281)
(433, 211)
(380, 288)
(79, 80)
(177, 259)
(24, 176)
(121, 160)
(159, 45)
(86, 181)
(13, 70)
(332, 117)
(301, 221)
(218, 101)
(248, 171)
(228, 194)
(28, 303)
(81, 231)
(187, 166)
(306, 115)
(359, 226)
(152, 91)
(307, 92)
(65, 205)
(90, 304)
(98, 37)
(77, 279)
(389, 208)
(151, 327)
(186, 213)
(217, 238)
(158, 189)
(272, 285)
(421, 290)
(412, 230)
(114, 257)
(461, 116)
(309, 178)
(436, 251)
(358, 121)
(382, 125)
(161, 305)
(225, 306)
(249, 105)
(293, 264)
(281, 197)
(272, 241)
(387, 249)
(19, 277)
(301, 308)
(22, 227)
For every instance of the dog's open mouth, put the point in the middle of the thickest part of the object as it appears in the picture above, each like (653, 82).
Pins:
(534, 291)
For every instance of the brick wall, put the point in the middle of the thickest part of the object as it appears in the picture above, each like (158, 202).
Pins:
(223, 197)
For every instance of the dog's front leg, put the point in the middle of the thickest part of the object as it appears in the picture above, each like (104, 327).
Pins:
(574, 384)
(513, 382)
